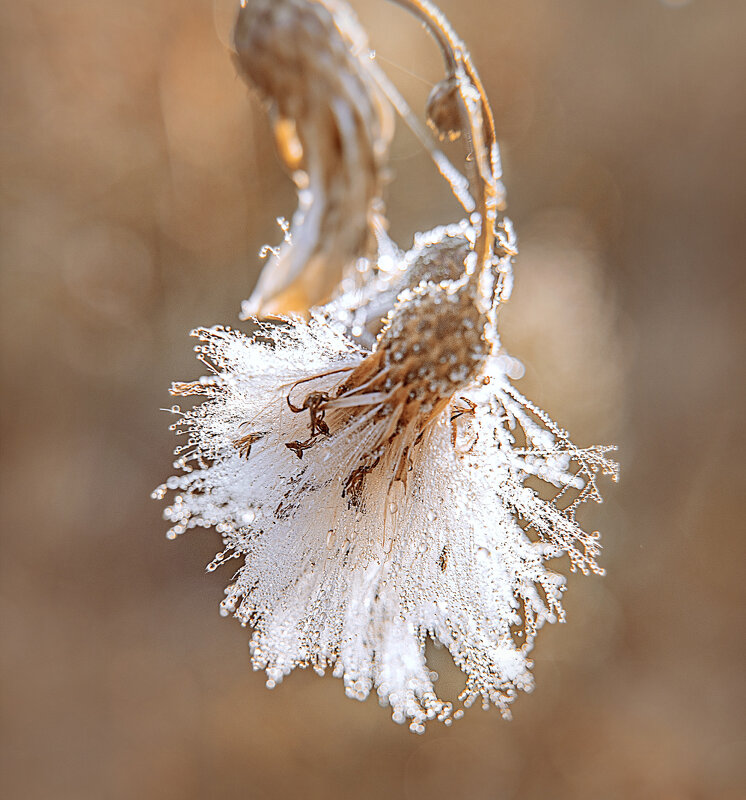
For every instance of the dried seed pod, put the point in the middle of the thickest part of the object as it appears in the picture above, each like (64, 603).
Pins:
(332, 125)
(443, 110)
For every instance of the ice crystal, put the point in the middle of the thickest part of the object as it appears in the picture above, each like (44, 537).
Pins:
(376, 473)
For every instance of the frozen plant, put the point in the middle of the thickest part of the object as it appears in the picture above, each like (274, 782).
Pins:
(371, 466)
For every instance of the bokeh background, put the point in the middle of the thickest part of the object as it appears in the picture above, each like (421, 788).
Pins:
(138, 182)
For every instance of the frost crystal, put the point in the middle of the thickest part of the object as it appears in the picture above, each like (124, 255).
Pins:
(377, 475)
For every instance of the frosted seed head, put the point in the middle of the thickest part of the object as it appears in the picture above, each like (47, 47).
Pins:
(412, 511)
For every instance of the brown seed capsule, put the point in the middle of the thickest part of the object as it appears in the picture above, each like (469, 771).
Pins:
(443, 110)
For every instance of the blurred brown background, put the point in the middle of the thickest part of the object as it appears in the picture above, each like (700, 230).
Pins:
(137, 184)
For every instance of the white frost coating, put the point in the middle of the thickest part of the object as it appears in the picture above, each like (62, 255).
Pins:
(359, 586)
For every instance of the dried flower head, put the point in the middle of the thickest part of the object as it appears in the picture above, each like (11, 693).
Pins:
(333, 125)
(377, 473)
